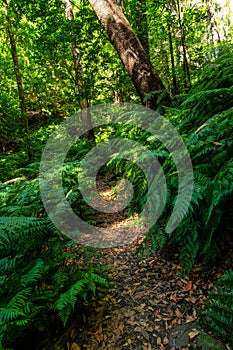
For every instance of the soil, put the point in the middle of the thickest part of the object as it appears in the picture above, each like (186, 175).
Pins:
(150, 306)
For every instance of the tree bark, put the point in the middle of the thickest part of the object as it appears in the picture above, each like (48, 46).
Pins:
(212, 22)
(79, 77)
(130, 51)
(179, 12)
(15, 59)
(143, 27)
(174, 81)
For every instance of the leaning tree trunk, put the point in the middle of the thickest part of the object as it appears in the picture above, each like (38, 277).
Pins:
(130, 51)
(79, 77)
(15, 59)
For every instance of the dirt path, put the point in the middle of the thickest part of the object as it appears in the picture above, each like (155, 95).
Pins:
(149, 307)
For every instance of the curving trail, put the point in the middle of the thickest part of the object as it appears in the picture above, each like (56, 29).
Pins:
(149, 307)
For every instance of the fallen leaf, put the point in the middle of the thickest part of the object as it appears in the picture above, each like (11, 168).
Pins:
(131, 321)
(190, 318)
(200, 127)
(100, 330)
(140, 308)
(191, 300)
(137, 283)
(156, 312)
(159, 341)
(73, 333)
(189, 286)
(183, 280)
(145, 335)
(121, 327)
(84, 318)
(75, 346)
(163, 270)
(173, 298)
(129, 313)
(138, 329)
(99, 338)
(193, 333)
(178, 314)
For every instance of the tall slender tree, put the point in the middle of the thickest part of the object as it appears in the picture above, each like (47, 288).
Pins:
(18, 76)
(174, 80)
(79, 76)
(214, 32)
(143, 26)
(184, 53)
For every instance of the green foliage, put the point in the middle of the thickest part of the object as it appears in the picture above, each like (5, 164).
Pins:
(217, 71)
(14, 162)
(9, 114)
(200, 107)
(205, 120)
(218, 312)
(21, 197)
(45, 277)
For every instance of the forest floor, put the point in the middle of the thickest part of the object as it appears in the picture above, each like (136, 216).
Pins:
(149, 306)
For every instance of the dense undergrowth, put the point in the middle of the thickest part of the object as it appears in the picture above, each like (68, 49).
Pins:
(45, 277)
(218, 313)
(205, 121)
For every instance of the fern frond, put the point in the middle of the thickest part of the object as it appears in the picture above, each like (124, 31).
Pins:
(37, 272)
(66, 301)
(219, 308)
(227, 279)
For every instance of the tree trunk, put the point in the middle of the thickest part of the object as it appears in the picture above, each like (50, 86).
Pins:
(121, 4)
(174, 81)
(18, 79)
(212, 23)
(142, 24)
(164, 58)
(130, 51)
(79, 77)
(184, 47)
(181, 42)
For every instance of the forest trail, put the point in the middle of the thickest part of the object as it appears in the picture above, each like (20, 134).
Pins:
(68, 67)
(149, 307)
(146, 303)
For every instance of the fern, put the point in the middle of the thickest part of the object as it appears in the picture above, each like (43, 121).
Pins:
(217, 72)
(67, 301)
(84, 288)
(218, 312)
(205, 121)
(35, 273)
